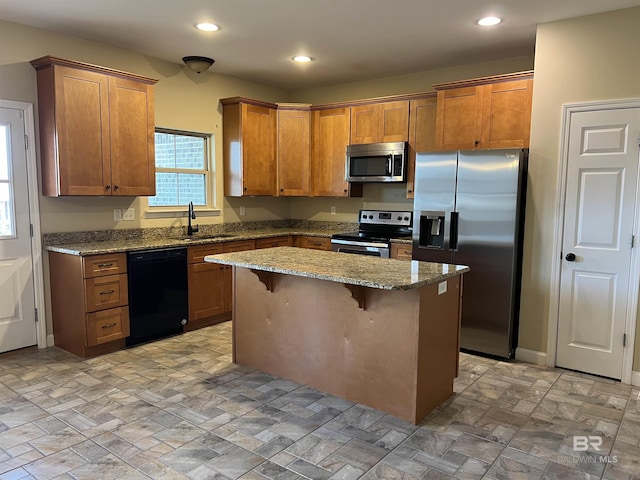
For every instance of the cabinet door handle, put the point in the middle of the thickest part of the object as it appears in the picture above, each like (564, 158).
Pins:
(107, 292)
(109, 325)
(105, 265)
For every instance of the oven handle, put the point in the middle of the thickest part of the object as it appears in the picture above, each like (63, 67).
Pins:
(351, 243)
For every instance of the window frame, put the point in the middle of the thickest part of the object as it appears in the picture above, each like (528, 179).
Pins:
(174, 211)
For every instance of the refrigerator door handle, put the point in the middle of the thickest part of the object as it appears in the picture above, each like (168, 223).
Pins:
(453, 231)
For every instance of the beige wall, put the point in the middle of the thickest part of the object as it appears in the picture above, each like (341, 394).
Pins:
(183, 100)
(578, 60)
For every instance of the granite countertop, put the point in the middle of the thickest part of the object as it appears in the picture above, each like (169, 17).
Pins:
(366, 271)
(89, 246)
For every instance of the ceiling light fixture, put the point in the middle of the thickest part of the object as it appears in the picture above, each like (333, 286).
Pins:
(207, 27)
(198, 64)
(301, 59)
(489, 21)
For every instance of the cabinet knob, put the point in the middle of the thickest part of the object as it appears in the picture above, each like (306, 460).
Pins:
(409, 191)
(476, 143)
(282, 189)
(345, 190)
(116, 187)
(107, 187)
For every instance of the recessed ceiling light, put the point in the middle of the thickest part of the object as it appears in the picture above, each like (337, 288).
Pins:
(301, 59)
(207, 27)
(489, 21)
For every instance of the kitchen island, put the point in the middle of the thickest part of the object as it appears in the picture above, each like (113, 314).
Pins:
(375, 331)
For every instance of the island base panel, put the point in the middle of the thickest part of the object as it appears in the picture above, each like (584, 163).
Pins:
(397, 355)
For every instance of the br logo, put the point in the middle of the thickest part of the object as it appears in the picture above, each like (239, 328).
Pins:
(581, 443)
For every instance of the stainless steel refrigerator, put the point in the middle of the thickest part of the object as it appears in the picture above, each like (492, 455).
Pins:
(469, 210)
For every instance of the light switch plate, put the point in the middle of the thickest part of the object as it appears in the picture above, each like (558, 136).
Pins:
(117, 214)
(442, 287)
(129, 214)
(242, 211)
(333, 209)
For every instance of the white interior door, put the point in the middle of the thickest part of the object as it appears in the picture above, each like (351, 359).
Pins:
(17, 300)
(602, 176)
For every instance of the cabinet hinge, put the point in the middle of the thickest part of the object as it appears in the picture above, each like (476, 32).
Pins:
(26, 142)
(624, 339)
(36, 314)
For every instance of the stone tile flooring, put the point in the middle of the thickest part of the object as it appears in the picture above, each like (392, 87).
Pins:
(178, 409)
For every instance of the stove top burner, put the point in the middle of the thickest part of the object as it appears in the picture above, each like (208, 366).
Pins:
(380, 226)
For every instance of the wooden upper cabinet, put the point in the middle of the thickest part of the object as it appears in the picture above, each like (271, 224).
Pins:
(380, 122)
(506, 114)
(132, 137)
(249, 145)
(96, 129)
(294, 150)
(422, 134)
(329, 139)
(484, 113)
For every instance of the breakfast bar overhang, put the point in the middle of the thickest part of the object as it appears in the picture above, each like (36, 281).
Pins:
(380, 332)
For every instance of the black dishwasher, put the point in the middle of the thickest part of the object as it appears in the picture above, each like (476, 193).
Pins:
(158, 296)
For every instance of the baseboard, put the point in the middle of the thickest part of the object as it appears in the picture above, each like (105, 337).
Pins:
(635, 379)
(50, 340)
(531, 356)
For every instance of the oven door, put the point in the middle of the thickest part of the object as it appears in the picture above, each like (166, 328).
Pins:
(373, 249)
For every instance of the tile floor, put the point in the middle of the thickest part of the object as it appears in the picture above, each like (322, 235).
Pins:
(178, 409)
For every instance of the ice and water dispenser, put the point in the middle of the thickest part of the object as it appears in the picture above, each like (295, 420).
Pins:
(431, 230)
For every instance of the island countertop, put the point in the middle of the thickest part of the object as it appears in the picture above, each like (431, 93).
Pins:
(363, 270)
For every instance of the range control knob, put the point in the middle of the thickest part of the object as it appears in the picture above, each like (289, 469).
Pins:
(364, 216)
(406, 218)
(399, 218)
(371, 217)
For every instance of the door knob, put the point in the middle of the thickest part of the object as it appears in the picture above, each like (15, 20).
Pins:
(570, 257)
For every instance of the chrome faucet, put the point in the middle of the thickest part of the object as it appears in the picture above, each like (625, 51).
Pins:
(192, 215)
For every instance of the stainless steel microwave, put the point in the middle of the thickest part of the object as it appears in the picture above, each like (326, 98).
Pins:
(377, 162)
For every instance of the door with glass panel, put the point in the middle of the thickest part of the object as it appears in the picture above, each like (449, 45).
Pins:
(17, 300)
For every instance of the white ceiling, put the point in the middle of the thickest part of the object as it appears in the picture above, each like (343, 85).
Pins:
(349, 39)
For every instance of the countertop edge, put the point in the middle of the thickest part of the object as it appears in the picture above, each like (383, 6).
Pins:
(98, 248)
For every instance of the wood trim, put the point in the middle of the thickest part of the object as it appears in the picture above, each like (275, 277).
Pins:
(46, 61)
(367, 101)
(250, 101)
(474, 82)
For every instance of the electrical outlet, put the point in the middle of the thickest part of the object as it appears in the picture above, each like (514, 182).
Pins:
(242, 211)
(442, 287)
(129, 214)
(333, 209)
(117, 214)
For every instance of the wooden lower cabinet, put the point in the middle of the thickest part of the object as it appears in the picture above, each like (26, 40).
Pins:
(315, 243)
(401, 251)
(274, 242)
(206, 287)
(210, 284)
(89, 302)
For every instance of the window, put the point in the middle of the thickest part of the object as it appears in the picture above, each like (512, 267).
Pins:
(182, 169)
(7, 223)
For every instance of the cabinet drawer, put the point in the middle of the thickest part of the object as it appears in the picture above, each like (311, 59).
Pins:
(105, 292)
(274, 242)
(238, 246)
(107, 325)
(98, 265)
(315, 243)
(401, 252)
(197, 253)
